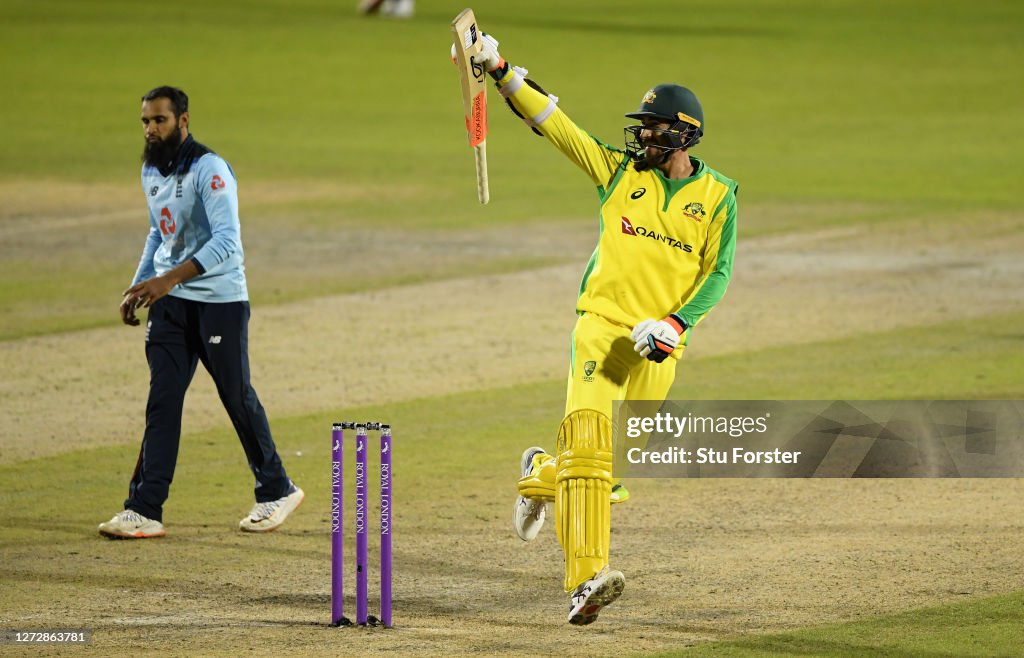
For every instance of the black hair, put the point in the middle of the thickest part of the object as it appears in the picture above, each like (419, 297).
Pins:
(178, 98)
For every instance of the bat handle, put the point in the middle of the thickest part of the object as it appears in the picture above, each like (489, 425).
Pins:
(482, 191)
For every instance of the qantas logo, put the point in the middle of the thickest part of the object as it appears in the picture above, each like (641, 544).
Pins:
(641, 231)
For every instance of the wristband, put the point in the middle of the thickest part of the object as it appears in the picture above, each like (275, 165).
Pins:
(677, 323)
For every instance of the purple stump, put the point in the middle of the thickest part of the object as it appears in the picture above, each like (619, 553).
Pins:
(361, 536)
(385, 525)
(337, 526)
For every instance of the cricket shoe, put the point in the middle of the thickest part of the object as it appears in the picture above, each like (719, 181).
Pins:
(129, 524)
(398, 8)
(267, 516)
(528, 515)
(620, 494)
(587, 600)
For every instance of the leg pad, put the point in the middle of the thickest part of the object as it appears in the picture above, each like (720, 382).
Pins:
(583, 484)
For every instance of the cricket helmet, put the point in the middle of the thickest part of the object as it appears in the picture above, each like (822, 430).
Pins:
(676, 106)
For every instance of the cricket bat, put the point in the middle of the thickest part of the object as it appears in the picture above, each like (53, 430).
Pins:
(466, 36)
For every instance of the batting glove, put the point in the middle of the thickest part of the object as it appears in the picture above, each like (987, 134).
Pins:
(488, 57)
(656, 339)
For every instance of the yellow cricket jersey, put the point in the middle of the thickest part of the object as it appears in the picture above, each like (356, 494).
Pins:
(666, 246)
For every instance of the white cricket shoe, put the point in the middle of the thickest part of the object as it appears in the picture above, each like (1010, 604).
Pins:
(587, 600)
(266, 517)
(398, 8)
(528, 515)
(129, 524)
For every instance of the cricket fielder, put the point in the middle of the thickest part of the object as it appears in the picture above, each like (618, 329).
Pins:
(662, 262)
(191, 277)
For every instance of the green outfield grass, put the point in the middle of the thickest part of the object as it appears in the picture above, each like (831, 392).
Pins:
(980, 359)
(981, 628)
(871, 101)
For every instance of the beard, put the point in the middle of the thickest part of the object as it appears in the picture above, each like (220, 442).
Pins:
(651, 160)
(161, 152)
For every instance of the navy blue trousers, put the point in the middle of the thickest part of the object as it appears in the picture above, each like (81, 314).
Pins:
(179, 334)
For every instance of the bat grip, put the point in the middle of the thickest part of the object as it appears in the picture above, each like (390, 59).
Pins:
(482, 191)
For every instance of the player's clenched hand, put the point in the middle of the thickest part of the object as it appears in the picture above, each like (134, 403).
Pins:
(146, 293)
(128, 306)
(656, 339)
(488, 57)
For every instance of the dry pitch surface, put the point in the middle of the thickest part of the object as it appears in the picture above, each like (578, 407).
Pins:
(703, 559)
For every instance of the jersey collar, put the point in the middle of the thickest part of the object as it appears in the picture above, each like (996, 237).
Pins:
(673, 185)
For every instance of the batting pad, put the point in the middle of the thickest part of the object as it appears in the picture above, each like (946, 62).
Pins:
(540, 483)
(583, 494)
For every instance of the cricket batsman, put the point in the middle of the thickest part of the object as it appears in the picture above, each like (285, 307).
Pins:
(662, 262)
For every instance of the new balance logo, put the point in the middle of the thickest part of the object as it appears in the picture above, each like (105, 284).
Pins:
(214, 340)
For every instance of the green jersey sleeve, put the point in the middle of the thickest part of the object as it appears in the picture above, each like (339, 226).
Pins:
(716, 265)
